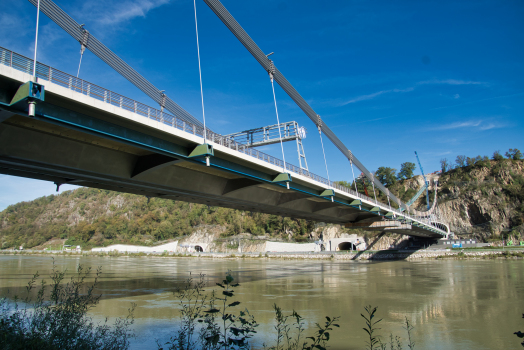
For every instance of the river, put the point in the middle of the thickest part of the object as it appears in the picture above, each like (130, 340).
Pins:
(453, 304)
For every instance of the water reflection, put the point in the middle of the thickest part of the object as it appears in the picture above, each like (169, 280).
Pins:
(452, 304)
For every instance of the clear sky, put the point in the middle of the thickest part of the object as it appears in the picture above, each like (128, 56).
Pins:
(389, 77)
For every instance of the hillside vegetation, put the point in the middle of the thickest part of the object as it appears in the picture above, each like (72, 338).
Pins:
(484, 199)
(93, 217)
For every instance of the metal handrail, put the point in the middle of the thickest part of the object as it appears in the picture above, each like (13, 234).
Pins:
(19, 62)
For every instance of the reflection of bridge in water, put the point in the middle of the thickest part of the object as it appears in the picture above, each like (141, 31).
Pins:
(82, 134)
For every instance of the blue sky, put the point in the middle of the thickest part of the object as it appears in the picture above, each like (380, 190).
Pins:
(389, 77)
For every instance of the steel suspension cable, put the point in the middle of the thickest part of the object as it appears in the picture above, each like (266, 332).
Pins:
(325, 161)
(80, 63)
(200, 72)
(373, 183)
(57, 15)
(36, 38)
(352, 172)
(278, 120)
(230, 22)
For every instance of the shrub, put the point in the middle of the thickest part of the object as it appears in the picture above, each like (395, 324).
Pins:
(57, 319)
(209, 322)
(514, 154)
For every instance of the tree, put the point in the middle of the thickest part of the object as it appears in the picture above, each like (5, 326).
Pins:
(514, 154)
(386, 175)
(497, 156)
(406, 170)
(445, 165)
(343, 183)
(461, 161)
(473, 160)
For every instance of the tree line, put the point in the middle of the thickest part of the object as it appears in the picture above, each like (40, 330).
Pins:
(462, 161)
(388, 176)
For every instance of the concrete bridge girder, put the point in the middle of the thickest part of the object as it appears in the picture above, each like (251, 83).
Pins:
(93, 145)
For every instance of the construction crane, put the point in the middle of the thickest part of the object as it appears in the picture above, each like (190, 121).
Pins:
(426, 182)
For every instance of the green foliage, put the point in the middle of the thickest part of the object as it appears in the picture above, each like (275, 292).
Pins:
(497, 156)
(61, 321)
(444, 165)
(208, 322)
(374, 342)
(386, 175)
(514, 154)
(371, 327)
(406, 170)
(409, 327)
(473, 161)
(130, 219)
(460, 161)
(343, 183)
(290, 336)
(218, 327)
(321, 336)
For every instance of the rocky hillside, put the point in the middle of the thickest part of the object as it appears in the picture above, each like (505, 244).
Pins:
(92, 217)
(485, 200)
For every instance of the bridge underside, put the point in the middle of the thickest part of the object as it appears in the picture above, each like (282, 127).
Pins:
(70, 143)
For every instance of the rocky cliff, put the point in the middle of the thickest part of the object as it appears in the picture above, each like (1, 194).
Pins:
(485, 200)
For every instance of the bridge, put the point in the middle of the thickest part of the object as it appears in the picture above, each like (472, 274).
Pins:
(57, 127)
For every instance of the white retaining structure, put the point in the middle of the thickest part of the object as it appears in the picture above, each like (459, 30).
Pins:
(291, 247)
(168, 247)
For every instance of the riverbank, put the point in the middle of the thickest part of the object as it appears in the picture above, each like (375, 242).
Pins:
(422, 254)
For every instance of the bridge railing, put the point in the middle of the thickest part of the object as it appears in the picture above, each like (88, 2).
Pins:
(45, 72)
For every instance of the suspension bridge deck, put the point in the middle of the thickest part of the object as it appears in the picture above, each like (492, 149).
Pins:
(85, 135)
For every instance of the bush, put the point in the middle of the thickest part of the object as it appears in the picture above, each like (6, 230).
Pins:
(210, 322)
(59, 321)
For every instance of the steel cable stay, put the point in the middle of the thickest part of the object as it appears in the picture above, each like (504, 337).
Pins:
(270, 72)
(36, 38)
(325, 161)
(57, 15)
(224, 15)
(200, 75)
(32, 104)
(352, 172)
(83, 45)
(373, 183)
(82, 49)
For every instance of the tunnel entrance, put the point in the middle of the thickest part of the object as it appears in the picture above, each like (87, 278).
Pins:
(198, 249)
(346, 246)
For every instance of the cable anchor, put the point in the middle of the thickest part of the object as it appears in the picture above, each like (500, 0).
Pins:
(163, 101)
(83, 45)
(271, 69)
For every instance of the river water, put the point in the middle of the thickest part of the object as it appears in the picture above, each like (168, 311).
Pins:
(453, 304)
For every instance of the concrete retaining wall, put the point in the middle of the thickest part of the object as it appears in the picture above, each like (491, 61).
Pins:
(290, 247)
(169, 247)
